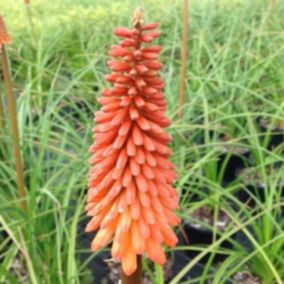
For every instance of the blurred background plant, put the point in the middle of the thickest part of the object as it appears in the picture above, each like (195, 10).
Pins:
(228, 148)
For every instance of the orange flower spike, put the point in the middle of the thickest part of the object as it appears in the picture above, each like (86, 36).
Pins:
(131, 199)
(4, 36)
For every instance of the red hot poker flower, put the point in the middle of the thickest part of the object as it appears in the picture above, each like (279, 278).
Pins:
(130, 197)
(4, 36)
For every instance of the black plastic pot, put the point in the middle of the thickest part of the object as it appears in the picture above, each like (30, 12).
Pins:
(181, 259)
(97, 266)
(233, 163)
(204, 237)
(187, 196)
(252, 193)
(72, 114)
(276, 139)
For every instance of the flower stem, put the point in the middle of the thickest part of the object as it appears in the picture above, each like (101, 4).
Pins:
(273, 2)
(2, 126)
(30, 18)
(2, 117)
(183, 58)
(14, 129)
(136, 277)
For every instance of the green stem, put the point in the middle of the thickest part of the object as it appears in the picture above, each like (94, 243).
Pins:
(183, 58)
(159, 274)
(14, 129)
